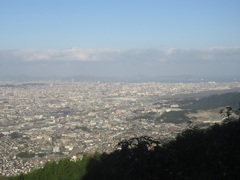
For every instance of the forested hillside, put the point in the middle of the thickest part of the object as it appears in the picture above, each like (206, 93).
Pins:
(215, 101)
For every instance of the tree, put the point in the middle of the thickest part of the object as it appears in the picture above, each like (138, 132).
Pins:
(1, 135)
(230, 114)
(15, 135)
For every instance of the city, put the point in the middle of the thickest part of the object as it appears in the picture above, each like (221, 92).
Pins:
(49, 120)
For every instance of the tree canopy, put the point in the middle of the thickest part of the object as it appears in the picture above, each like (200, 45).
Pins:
(212, 153)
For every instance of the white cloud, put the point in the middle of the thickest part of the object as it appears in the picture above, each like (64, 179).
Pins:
(148, 55)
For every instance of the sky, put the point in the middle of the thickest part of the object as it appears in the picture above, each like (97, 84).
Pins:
(120, 38)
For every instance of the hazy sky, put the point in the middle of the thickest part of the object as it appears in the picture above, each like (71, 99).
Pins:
(120, 38)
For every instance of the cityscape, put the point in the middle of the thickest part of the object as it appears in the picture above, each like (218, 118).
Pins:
(49, 120)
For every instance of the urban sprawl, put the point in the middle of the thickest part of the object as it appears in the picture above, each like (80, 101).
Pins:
(52, 120)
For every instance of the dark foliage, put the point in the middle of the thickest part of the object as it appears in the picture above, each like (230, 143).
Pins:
(230, 114)
(212, 153)
(215, 101)
(62, 170)
(84, 128)
(1, 135)
(25, 155)
(175, 117)
(195, 154)
(15, 135)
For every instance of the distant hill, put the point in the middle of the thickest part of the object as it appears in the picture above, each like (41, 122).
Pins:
(206, 103)
(215, 101)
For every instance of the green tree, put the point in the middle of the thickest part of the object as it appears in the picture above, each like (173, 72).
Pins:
(15, 135)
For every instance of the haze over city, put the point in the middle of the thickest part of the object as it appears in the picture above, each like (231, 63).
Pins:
(120, 38)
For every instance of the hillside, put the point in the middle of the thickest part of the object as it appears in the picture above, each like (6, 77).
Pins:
(213, 153)
(215, 101)
(204, 109)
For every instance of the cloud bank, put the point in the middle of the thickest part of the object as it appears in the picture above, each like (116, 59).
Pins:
(79, 54)
(121, 62)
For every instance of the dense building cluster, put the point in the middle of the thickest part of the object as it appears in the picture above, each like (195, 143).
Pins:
(51, 120)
